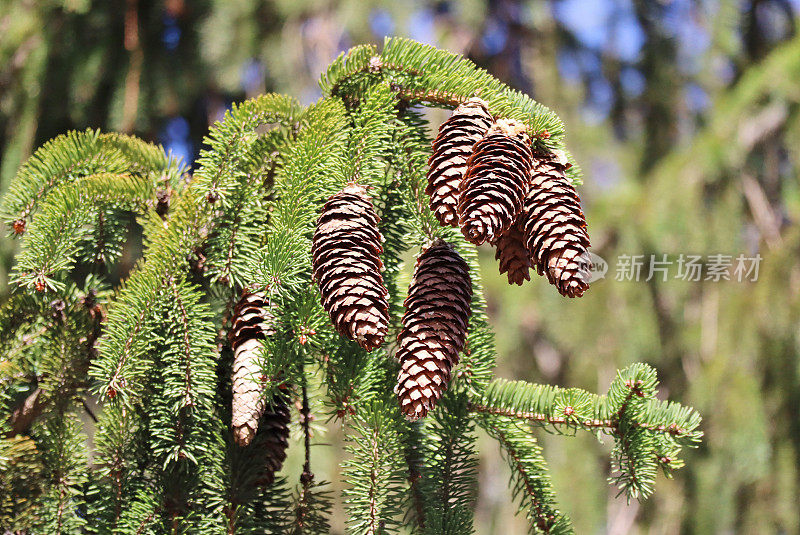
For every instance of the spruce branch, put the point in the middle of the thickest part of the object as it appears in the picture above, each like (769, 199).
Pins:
(313, 502)
(237, 237)
(450, 475)
(415, 453)
(64, 468)
(76, 155)
(231, 139)
(164, 461)
(371, 137)
(410, 159)
(422, 73)
(374, 472)
(647, 432)
(531, 482)
(51, 244)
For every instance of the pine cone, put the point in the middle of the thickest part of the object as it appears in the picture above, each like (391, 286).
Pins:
(451, 149)
(347, 267)
(497, 180)
(555, 227)
(272, 439)
(513, 255)
(434, 328)
(252, 322)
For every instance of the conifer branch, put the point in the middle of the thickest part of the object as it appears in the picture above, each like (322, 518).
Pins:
(532, 482)
(163, 459)
(187, 345)
(76, 155)
(647, 432)
(230, 140)
(51, 244)
(451, 467)
(539, 418)
(416, 451)
(307, 476)
(374, 473)
(422, 73)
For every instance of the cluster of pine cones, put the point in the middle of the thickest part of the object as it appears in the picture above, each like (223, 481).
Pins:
(347, 268)
(484, 178)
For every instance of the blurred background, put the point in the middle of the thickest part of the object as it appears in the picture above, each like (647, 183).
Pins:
(684, 116)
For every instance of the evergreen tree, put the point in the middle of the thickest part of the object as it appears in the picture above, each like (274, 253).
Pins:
(163, 457)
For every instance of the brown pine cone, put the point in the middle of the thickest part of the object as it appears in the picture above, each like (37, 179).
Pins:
(513, 254)
(451, 149)
(555, 227)
(272, 439)
(497, 180)
(347, 267)
(434, 331)
(252, 322)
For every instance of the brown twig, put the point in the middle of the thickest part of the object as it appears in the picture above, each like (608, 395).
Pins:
(307, 477)
(608, 426)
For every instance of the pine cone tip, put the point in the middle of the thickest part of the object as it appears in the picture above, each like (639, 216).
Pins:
(511, 128)
(354, 188)
(243, 435)
(475, 102)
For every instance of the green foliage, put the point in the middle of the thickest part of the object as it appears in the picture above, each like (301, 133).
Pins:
(448, 477)
(530, 480)
(20, 482)
(61, 447)
(163, 459)
(648, 433)
(375, 471)
(425, 74)
(59, 234)
(78, 155)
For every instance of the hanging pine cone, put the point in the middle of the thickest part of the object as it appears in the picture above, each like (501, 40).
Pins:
(451, 149)
(272, 439)
(513, 254)
(434, 328)
(555, 227)
(497, 180)
(347, 267)
(253, 321)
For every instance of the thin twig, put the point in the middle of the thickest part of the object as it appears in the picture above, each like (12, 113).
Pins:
(605, 425)
(88, 410)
